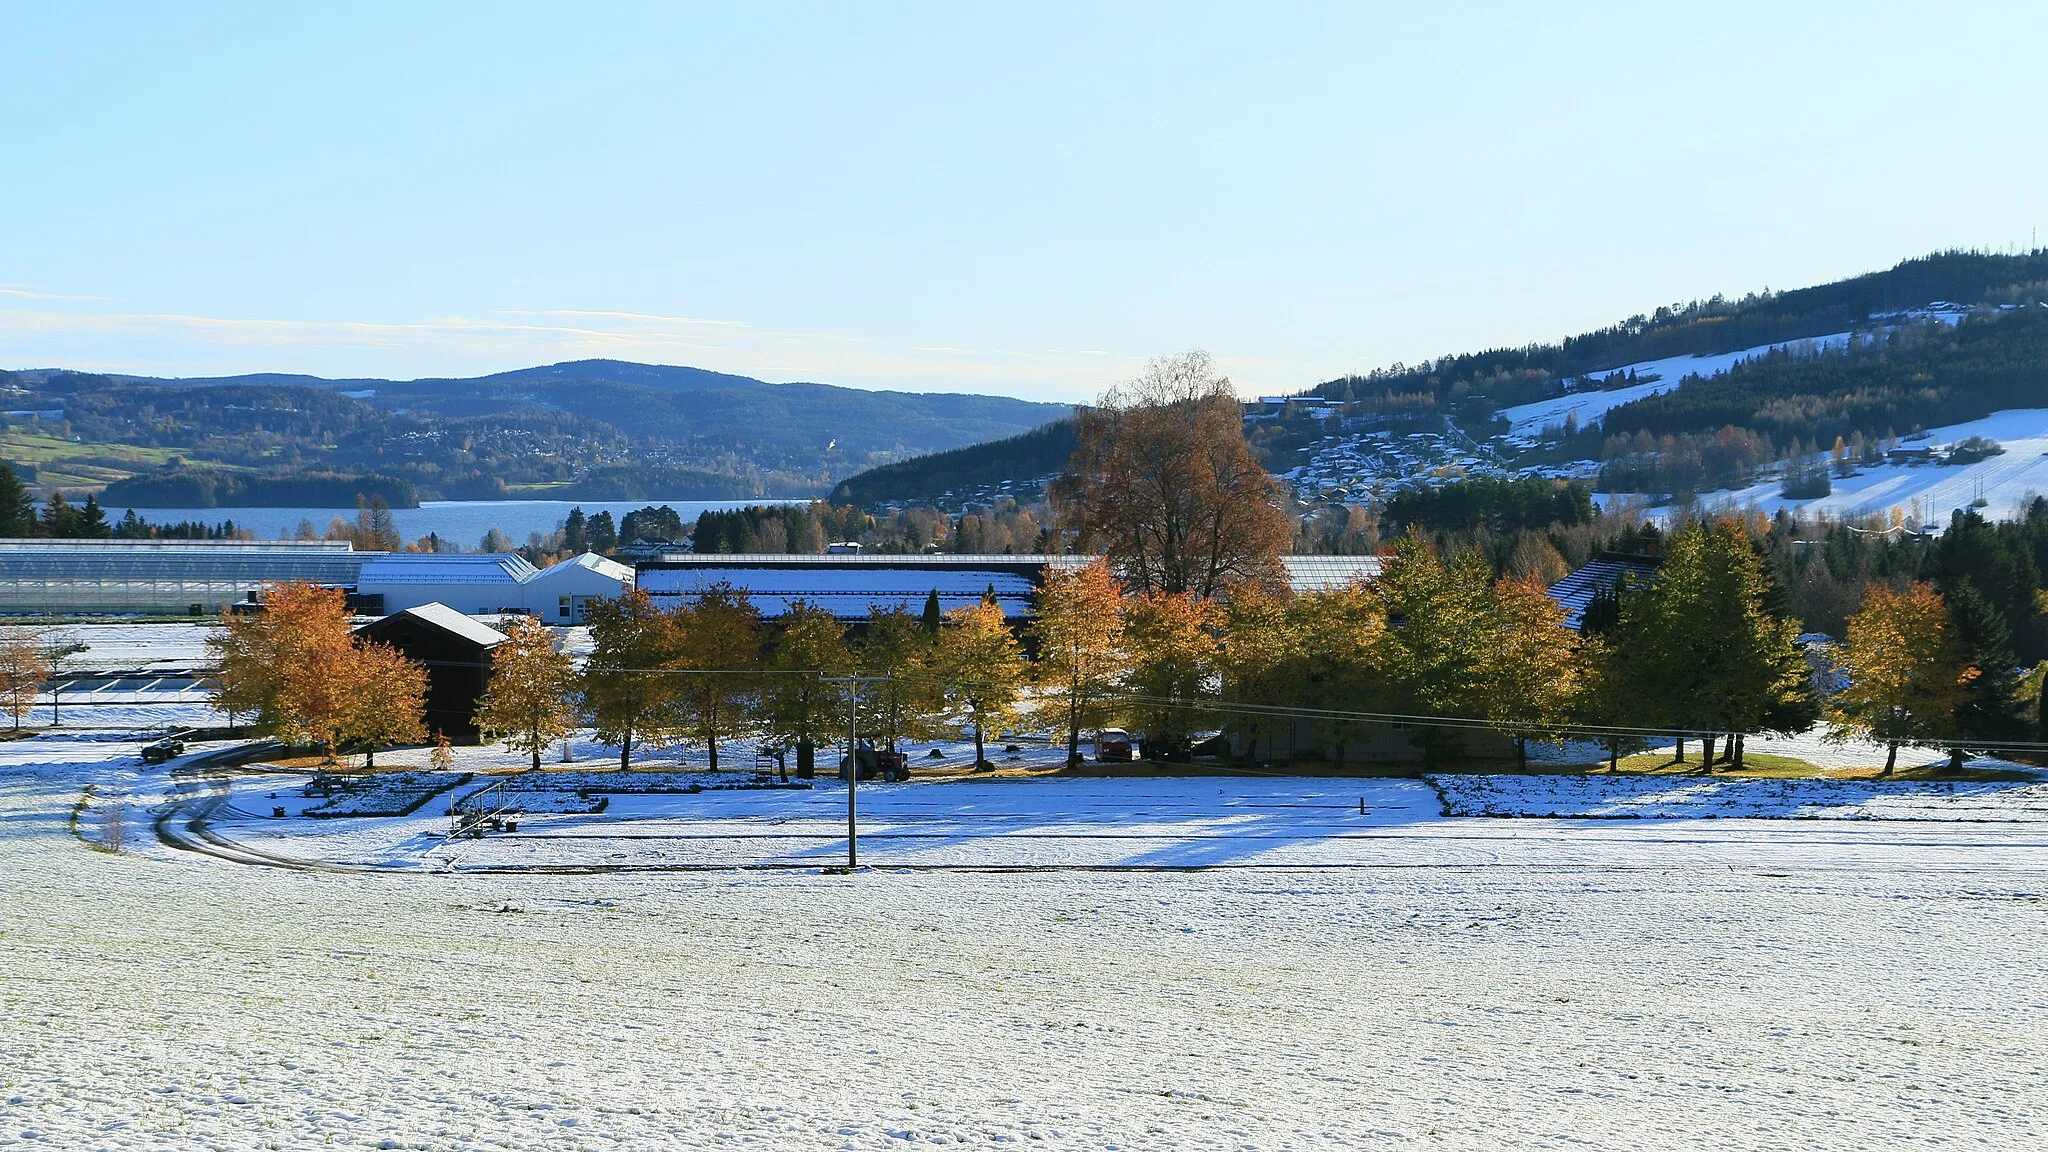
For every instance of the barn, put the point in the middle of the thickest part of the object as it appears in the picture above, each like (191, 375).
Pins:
(456, 651)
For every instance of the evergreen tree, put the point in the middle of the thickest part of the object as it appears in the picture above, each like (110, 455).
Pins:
(92, 519)
(575, 532)
(604, 537)
(1991, 710)
(17, 505)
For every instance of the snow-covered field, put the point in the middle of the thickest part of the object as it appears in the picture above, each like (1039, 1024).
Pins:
(2006, 483)
(1392, 979)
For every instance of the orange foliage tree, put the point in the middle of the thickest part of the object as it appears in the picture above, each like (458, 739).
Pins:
(1163, 482)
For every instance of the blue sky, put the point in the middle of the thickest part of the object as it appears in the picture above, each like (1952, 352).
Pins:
(1027, 199)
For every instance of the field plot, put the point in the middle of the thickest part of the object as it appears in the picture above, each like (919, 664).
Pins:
(1521, 983)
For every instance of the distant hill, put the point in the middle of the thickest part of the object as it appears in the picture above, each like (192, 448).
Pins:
(1016, 460)
(584, 429)
(1939, 339)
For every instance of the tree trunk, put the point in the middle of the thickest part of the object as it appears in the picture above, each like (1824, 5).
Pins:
(1680, 754)
(712, 743)
(1707, 752)
(1521, 754)
(1955, 758)
(1891, 757)
(1614, 755)
(977, 744)
(1073, 735)
(536, 753)
(1737, 759)
(626, 752)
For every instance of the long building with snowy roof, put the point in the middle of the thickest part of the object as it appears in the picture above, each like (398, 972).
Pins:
(851, 585)
(161, 577)
(486, 583)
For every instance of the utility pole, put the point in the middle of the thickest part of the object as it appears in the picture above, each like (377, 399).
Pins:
(853, 684)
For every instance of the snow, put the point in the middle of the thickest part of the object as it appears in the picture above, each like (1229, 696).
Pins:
(2007, 483)
(1448, 983)
(1592, 405)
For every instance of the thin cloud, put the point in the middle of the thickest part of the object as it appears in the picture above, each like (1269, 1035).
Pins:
(189, 344)
(30, 292)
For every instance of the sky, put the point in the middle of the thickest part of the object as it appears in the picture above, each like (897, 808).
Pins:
(1019, 199)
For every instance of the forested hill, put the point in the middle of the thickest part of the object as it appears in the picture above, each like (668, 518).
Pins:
(590, 429)
(1016, 460)
(1709, 327)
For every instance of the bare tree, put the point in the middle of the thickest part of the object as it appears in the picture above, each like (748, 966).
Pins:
(1163, 482)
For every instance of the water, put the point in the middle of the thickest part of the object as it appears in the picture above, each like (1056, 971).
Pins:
(463, 522)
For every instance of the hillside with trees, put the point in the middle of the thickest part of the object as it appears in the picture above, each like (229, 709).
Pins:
(585, 430)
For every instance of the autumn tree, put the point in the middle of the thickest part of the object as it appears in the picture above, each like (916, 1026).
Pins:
(1606, 698)
(1529, 668)
(1172, 642)
(1256, 662)
(1906, 669)
(1079, 631)
(291, 665)
(1164, 484)
(800, 708)
(628, 681)
(24, 668)
(531, 701)
(979, 671)
(897, 650)
(386, 701)
(721, 647)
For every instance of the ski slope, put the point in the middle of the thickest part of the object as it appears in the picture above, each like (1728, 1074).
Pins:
(1530, 419)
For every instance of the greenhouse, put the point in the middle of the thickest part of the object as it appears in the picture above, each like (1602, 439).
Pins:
(160, 577)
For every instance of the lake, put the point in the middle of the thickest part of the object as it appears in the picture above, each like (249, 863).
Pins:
(462, 522)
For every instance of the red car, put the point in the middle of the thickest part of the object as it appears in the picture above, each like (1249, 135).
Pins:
(1112, 744)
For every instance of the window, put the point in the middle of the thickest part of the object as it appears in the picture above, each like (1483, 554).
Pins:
(565, 608)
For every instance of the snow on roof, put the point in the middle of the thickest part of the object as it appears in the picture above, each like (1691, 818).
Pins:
(446, 568)
(848, 592)
(591, 561)
(1577, 589)
(449, 620)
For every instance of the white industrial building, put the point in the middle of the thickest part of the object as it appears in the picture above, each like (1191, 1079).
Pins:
(490, 583)
(850, 585)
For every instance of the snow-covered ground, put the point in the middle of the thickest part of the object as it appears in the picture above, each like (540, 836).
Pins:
(2006, 483)
(1798, 993)
(1658, 376)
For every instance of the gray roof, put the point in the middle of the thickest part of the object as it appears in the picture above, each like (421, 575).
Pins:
(1576, 591)
(446, 568)
(449, 620)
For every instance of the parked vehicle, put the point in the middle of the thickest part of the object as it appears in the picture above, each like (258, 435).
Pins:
(163, 750)
(1112, 744)
(892, 767)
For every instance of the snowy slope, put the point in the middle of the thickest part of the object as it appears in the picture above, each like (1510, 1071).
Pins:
(1530, 419)
(2006, 482)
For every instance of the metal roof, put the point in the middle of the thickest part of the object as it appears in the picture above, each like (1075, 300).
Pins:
(1576, 590)
(447, 568)
(447, 620)
(591, 561)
